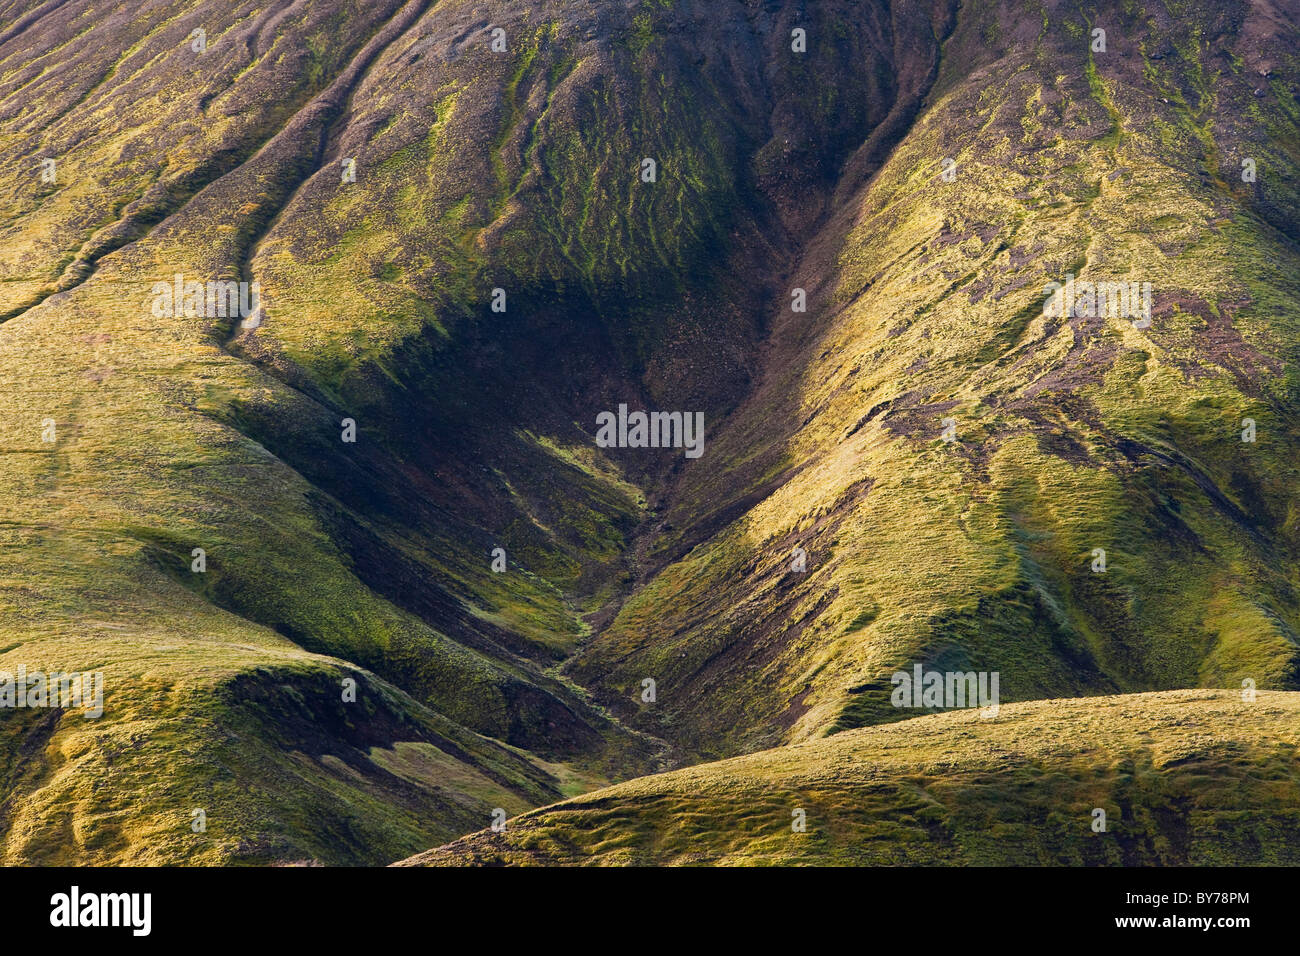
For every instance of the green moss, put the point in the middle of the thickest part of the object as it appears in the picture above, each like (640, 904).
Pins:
(1180, 777)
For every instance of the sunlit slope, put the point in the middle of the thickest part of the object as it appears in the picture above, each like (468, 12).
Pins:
(218, 156)
(137, 120)
(523, 170)
(1183, 777)
(216, 753)
(130, 440)
(926, 303)
(505, 267)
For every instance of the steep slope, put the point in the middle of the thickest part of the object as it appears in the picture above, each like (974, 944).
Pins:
(1070, 434)
(208, 143)
(1183, 777)
(463, 259)
(151, 451)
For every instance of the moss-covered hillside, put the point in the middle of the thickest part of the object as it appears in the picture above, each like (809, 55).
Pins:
(1181, 777)
(358, 574)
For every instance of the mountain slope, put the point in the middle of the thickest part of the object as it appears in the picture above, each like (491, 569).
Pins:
(462, 261)
(926, 308)
(1184, 777)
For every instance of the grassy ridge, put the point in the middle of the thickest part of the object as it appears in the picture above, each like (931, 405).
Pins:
(475, 171)
(1186, 777)
(926, 304)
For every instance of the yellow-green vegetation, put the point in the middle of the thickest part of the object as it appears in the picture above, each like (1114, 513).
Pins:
(1071, 434)
(1184, 777)
(130, 435)
(131, 438)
